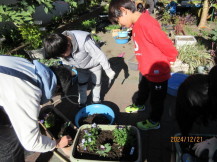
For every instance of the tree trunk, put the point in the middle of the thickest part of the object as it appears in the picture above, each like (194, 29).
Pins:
(204, 15)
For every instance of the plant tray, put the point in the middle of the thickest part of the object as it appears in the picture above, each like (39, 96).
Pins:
(184, 40)
(84, 157)
(60, 119)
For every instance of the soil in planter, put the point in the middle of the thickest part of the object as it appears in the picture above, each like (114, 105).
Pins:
(116, 153)
(122, 37)
(95, 118)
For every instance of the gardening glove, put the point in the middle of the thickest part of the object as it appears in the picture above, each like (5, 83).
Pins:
(209, 144)
(111, 74)
(63, 142)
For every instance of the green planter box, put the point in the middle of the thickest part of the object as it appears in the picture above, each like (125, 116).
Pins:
(106, 127)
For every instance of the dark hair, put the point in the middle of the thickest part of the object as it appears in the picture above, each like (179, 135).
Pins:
(115, 8)
(140, 7)
(64, 78)
(192, 104)
(55, 45)
(197, 100)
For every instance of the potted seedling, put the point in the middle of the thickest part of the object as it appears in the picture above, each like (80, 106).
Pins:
(106, 143)
(55, 123)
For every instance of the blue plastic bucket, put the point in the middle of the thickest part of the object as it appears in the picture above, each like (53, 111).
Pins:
(123, 34)
(174, 82)
(95, 109)
(121, 40)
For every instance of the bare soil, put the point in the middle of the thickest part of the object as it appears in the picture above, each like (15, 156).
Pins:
(95, 118)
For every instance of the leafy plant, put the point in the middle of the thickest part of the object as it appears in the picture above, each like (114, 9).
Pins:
(89, 24)
(49, 120)
(31, 35)
(94, 3)
(111, 27)
(213, 35)
(121, 135)
(96, 37)
(104, 149)
(72, 3)
(166, 18)
(3, 50)
(22, 11)
(190, 31)
(105, 8)
(50, 62)
(18, 55)
(194, 56)
(205, 33)
(90, 137)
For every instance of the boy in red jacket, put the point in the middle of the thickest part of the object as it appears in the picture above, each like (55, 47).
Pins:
(154, 52)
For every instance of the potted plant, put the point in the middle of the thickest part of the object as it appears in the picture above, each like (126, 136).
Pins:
(197, 53)
(55, 124)
(106, 143)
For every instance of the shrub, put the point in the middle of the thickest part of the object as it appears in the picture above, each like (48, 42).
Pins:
(194, 56)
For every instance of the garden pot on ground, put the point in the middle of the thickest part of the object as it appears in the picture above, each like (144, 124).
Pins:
(183, 40)
(122, 40)
(95, 109)
(107, 147)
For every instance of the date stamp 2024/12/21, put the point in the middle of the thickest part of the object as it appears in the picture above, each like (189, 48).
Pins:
(195, 139)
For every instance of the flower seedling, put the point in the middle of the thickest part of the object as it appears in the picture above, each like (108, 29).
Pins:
(121, 135)
(49, 120)
(104, 149)
(90, 137)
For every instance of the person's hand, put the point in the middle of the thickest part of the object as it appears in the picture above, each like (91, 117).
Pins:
(209, 144)
(110, 74)
(63, 142)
